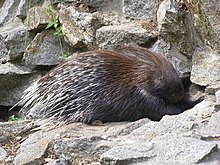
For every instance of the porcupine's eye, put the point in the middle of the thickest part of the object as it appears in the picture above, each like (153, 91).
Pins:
(174, 94)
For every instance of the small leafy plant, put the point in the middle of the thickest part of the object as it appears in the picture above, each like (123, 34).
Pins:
(13, 118)
(54, 21)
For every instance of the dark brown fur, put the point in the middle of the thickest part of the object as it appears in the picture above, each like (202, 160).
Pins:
(107, 85)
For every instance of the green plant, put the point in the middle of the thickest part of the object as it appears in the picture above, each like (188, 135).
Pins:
(54, 21)
(13, 118)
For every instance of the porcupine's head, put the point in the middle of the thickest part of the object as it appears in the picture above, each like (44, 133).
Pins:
(158, 75)
(167, 84)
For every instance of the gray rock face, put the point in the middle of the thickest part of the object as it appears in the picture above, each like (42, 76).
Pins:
(81, 29)
(10, 130)
(45, 49)
(4, 53)
(179, 139)
(176, 28)
(38, 18)
(207, 21)
(14, 79)
(217, 94)
(110, 37)
(182, 150)
(145, 9)
(71, 32)
(15, 38)
(107, 18)
(205, 68)
(104, 5)
(129, 152)
(21, 12)
(3, 155)
(5, 11)
(57, 162)
(35, 152)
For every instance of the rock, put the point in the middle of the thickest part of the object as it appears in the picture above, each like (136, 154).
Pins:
(207, 21)
(159, 47)
(211, 128)
(78, 27)
(103, 5)
(14, 79)
(57, 162)
(22, 8)
(71, 32)
(173, 140)
(76, 141)
(205, 68)
(182, 123)
(213, 87)
(4, 53)
(83, 148)
(15, 37)
(128, 152)
(5, 11)
(145, 9)
(181, 63)
(176, 26)
(115, 36)
(12, 87)
(9, 68)
(3, 155)
(10, 130)
(34, 148)
(182, 150)
(35, 152)
(107, 17)
(45, 50)
(38, 18)
(217, 95)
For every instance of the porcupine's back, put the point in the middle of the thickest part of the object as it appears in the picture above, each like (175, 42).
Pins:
(101, 85)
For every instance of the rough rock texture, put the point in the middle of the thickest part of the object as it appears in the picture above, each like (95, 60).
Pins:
(205, 62)
(22, 9)
(110, 37)
(38, 18)
(78, 27)
(5, 11)
(15, 38)
(181, 139)
(3, 154)
(14, 79)
(145, 9)
(4, 53)
(107, 18)
(72, 34)
(11, 130)
(217, 95)
(176, 28)
(45, 49)
(207, 20)
(104, 5)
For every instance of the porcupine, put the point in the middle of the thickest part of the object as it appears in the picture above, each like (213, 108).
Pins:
(109, 86)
